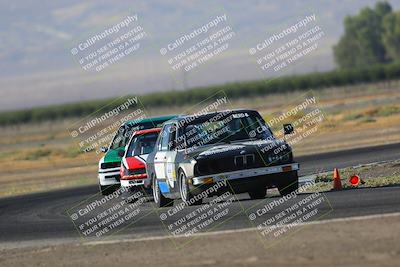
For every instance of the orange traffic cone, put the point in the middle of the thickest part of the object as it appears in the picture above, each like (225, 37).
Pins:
(337, 183)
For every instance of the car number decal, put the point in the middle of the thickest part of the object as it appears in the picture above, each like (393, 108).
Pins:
(171, 174)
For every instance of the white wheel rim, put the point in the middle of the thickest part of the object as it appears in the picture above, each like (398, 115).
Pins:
(183, 188)
(155, 190)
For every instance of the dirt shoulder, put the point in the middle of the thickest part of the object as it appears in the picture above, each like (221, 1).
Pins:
(355, 242)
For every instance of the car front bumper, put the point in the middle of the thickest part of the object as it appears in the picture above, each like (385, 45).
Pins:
(214, 178)
(109, 176)
(136, 182)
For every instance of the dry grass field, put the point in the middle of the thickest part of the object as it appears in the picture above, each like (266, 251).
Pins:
(44, 156)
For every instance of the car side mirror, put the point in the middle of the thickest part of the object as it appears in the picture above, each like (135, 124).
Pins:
(288, 129)
(104, 149)
(121, 153)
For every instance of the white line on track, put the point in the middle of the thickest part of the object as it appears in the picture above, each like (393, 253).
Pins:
(354, 218)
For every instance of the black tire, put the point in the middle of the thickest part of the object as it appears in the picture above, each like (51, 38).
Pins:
(289, 185)
(106, 190)
(158, 197)
(258, 193)
(185, 193)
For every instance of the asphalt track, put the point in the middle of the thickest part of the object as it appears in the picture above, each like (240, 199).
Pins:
(43, 215)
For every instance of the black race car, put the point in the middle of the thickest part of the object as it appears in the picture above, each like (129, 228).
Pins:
(233, 149)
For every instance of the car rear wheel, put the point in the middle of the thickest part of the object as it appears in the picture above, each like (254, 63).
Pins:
(289, 185)
(159, 198)
(257, 193)
(185, 193)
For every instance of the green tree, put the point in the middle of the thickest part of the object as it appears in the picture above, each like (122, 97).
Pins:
(391, 36)
(382, 9)
(361, 45)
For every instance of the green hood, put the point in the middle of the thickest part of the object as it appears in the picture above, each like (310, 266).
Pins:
(112, 156)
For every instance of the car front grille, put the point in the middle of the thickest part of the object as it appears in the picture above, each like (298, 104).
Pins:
(136, 171)
(240, 162)
(110, 165)
(115, 176)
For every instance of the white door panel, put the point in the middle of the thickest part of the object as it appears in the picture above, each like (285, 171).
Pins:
(159, 164)
(170, 167)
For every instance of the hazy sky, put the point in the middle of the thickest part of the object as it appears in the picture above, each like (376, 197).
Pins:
(37, 66)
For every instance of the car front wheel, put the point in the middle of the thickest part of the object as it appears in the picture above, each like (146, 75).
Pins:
(289, 185)
(159, 198)
(185, 193)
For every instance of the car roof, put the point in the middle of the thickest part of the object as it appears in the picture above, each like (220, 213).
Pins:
(151, 119)
(210, 114)
(142, 132)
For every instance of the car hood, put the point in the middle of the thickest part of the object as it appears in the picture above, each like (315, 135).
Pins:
(136, 162)
(238, 148)
(112, 156)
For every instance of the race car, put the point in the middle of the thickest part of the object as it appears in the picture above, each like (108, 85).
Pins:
(133, 164)
(110, 164)
(194, 153)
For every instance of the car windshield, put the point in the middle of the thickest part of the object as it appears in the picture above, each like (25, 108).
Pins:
(125, 132)
(225, 128)
(142, 144)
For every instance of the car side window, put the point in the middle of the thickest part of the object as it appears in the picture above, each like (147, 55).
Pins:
(164, 138)
(118, 140)
(126, 136)
(172, 138)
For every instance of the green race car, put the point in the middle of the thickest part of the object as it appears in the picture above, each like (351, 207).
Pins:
(109, 164)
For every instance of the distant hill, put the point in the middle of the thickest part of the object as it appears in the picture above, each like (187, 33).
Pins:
(37, 68)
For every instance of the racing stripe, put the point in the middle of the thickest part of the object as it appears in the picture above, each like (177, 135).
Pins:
(141, 159)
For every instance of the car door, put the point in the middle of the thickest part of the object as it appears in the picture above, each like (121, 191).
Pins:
(160, 157)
